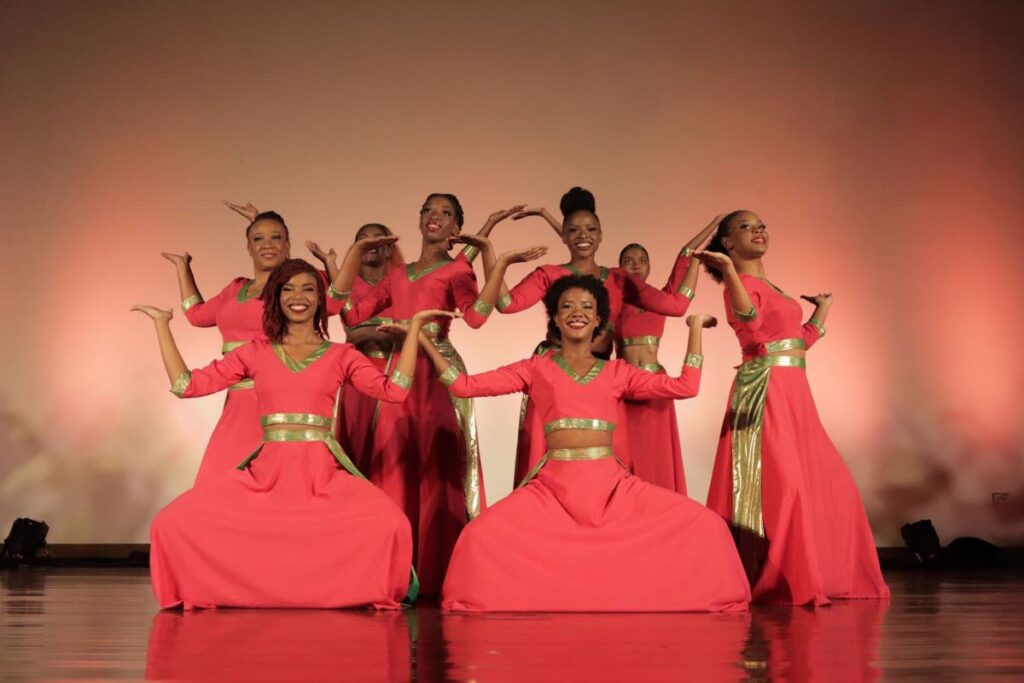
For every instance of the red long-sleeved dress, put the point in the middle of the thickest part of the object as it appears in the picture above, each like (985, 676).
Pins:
(623, 288)
(653, 429)
(239, 318)
(777, 478)
(295, 525)
(583, 534)
(426, 450)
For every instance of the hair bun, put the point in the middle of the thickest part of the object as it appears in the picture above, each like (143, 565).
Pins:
(577, 199)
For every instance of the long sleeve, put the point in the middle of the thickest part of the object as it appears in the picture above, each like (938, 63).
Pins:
(642, 295)
(674, 285)
(467, 294)
(749, 321)
(204, 313)
(376, 301)
(365, 377)
(529, 291)
(508, 379)
(641, 385)
(812, 332)
(334, 306)
(217, 376)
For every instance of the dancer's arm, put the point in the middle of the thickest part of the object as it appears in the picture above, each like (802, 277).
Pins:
(341, 285)
(814, 328)
(495, 284)
(218, 375)
(508, 379)
(744, 303)
(643, 385)
(198, 312)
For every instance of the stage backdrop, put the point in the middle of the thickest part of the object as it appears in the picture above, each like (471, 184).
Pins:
(880, 142)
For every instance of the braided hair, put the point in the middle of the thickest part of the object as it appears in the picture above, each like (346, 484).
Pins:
(275, 324)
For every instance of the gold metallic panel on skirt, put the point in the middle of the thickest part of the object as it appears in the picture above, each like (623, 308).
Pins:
(748, 400)
(572, 455)
(466, 415)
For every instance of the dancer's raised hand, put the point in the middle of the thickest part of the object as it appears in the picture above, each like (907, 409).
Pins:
(157, 314)
(702, 320)
(247, 210)
(523, 255)
(179, 260)
(824, 299)
(527, 212)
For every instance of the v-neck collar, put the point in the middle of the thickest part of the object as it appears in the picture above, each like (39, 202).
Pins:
(572, 269)
(411, 273)
(593, 372)
(300, 365)
(773, 286)
(243, 292)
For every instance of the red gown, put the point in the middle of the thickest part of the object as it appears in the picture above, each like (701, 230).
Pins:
(623, 288)
(583, 534)
(798, 519)
(653, 430)
(239, 318)
(357, 412)
(294, 525)
(426, 451)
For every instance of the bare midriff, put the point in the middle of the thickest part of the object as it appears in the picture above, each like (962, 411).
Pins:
(640, 355)
(578, 438)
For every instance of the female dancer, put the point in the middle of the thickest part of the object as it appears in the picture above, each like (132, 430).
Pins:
(581, 233)
(654, 433)
(798, 519)
(583, 534)
(295, 525)
(426, 452)
(237, 311)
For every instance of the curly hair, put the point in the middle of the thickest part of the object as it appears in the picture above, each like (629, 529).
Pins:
(275, 324)
(587, 283)
(396, 254)
(716, 242)
(268, 216)
(460, 217)
(577, 199)
(633, 245)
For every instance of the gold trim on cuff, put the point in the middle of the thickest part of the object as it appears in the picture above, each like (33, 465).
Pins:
(470, 252)
(687, 292)
(820, 326)
(247, 383)
(483, 308)
(180, 385)
(694, 360)
(685, 252)
(449, 376)
(504, 302)
(401, 380)
(748, 316)
(578, 423)
(336, 295)
(190, 301)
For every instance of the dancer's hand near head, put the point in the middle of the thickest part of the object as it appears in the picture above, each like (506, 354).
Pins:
(495, 286)
(497, 217)
(247, 210)
(327, 257)
(523, 255)
(407, 358)
(346, 276)
(555, 224)
(173, 362)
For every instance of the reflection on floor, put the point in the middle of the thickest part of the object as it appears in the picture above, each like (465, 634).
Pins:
(101, 624)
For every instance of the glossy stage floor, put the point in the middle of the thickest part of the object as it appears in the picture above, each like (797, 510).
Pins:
(102, 624)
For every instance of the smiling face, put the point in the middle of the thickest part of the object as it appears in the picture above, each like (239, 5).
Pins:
(581, 232)
(437, 220)
(374, 257)
(268, 244)
(576, 317)
(636, 262)
(747, 236)
(299, 298)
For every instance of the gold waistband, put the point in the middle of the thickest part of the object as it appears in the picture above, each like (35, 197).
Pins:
(376, 354)
(301, 419)
(648, 340)
(578, 423)
(785, 345)
(432, 329)
(774, 361)
(296, 435)
(655, 368)
(580, 454)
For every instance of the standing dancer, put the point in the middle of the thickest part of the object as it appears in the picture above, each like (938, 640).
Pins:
(581, 233)
(653, 430)
(426, 451)
(794, 508)
(237, 311)
(582, 534)
(295, 525)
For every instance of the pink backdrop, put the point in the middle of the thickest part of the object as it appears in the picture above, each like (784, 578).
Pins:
(881, 142)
